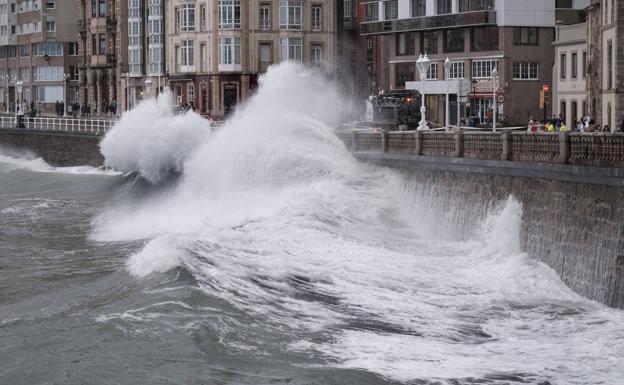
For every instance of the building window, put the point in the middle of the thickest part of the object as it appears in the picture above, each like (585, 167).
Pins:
(265, 16)
(291, 48)
(102, 8)
(50, 25)
(134, 60)
(190, 93)
(484, 5)
(315, 55)
(404, 73)
(429, 42)
(93, 44)
(484, 39)
(454, 40)
(72, 48)
(432, 73)
(291, 14)
(48, 73)
(316, 18)
(482, 69)
(347, 10)
(562, 65)
(371, 11)
(391, 9)
(24, 50)
(202, 17)
(574, 67)
(102, 43)
(48, 94)
(525, 71)
(50, 4)
(574, 111)
(186, 17)
(419, 8)
(229, 50)
(265, 56)
(584, 65)
(187, 53)
(405, 44)
(52, 48)
(94, 8)
(563, 108)
(229, 14)
(567, 4)
(444, 7)
(457, 70)
(610, 64)
(526, 35)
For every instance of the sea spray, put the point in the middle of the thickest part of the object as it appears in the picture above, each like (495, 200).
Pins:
(307, 256)
(152, 140)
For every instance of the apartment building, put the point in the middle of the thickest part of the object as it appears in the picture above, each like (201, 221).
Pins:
(103, 44)
(605, 38)
(570, 72)
(216, 49)
(478, 36)
(39, 48)
(145, 52)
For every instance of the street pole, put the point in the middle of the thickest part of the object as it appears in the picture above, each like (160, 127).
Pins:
(423, 64)
(494, 75)
(458, 104)
(447, 112)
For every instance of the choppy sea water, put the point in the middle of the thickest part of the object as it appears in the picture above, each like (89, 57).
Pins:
(265, 254)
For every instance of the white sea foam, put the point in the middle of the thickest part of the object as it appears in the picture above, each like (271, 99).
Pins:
(23, 159)
(274, 216)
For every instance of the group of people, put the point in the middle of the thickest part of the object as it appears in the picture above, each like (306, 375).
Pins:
(558, 124)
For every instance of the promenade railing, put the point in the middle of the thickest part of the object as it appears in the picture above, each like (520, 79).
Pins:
(98, 127)
(588, 149)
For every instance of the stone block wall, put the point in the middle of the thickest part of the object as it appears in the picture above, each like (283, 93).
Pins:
(575, 228)
(56, 149)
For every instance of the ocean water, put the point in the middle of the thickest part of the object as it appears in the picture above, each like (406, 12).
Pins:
(263, 253)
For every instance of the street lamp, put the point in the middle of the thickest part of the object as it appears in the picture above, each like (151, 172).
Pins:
(18, 88)
(447, 73)
(6, 78)
(148, 87)
(494, 107)
(423, 64)
(65, 78)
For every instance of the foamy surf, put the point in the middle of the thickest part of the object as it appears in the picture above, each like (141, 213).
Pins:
(320, 256)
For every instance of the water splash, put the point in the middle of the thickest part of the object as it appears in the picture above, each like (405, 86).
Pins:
(331, 258)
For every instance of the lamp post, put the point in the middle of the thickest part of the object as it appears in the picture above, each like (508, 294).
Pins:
(494, 107)
(447, 73)
(18, 104)
(65, 78)
(148, 88)
(423, 64)
(6, 93)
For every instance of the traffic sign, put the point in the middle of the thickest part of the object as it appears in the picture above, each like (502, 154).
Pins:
(500, 98)
(500, 90)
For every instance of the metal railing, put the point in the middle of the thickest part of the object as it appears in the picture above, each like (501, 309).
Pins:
(97, 127)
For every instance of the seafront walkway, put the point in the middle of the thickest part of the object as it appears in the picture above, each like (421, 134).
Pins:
(570, 148)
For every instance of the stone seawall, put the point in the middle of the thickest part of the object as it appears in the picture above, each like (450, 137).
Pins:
(57, 149)
(576, 228)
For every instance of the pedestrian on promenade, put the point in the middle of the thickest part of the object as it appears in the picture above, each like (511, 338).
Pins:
(550, 126)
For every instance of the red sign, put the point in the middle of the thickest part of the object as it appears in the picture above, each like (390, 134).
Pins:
(546, 88)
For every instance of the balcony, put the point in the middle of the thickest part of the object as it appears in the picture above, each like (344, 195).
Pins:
(430, 22)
